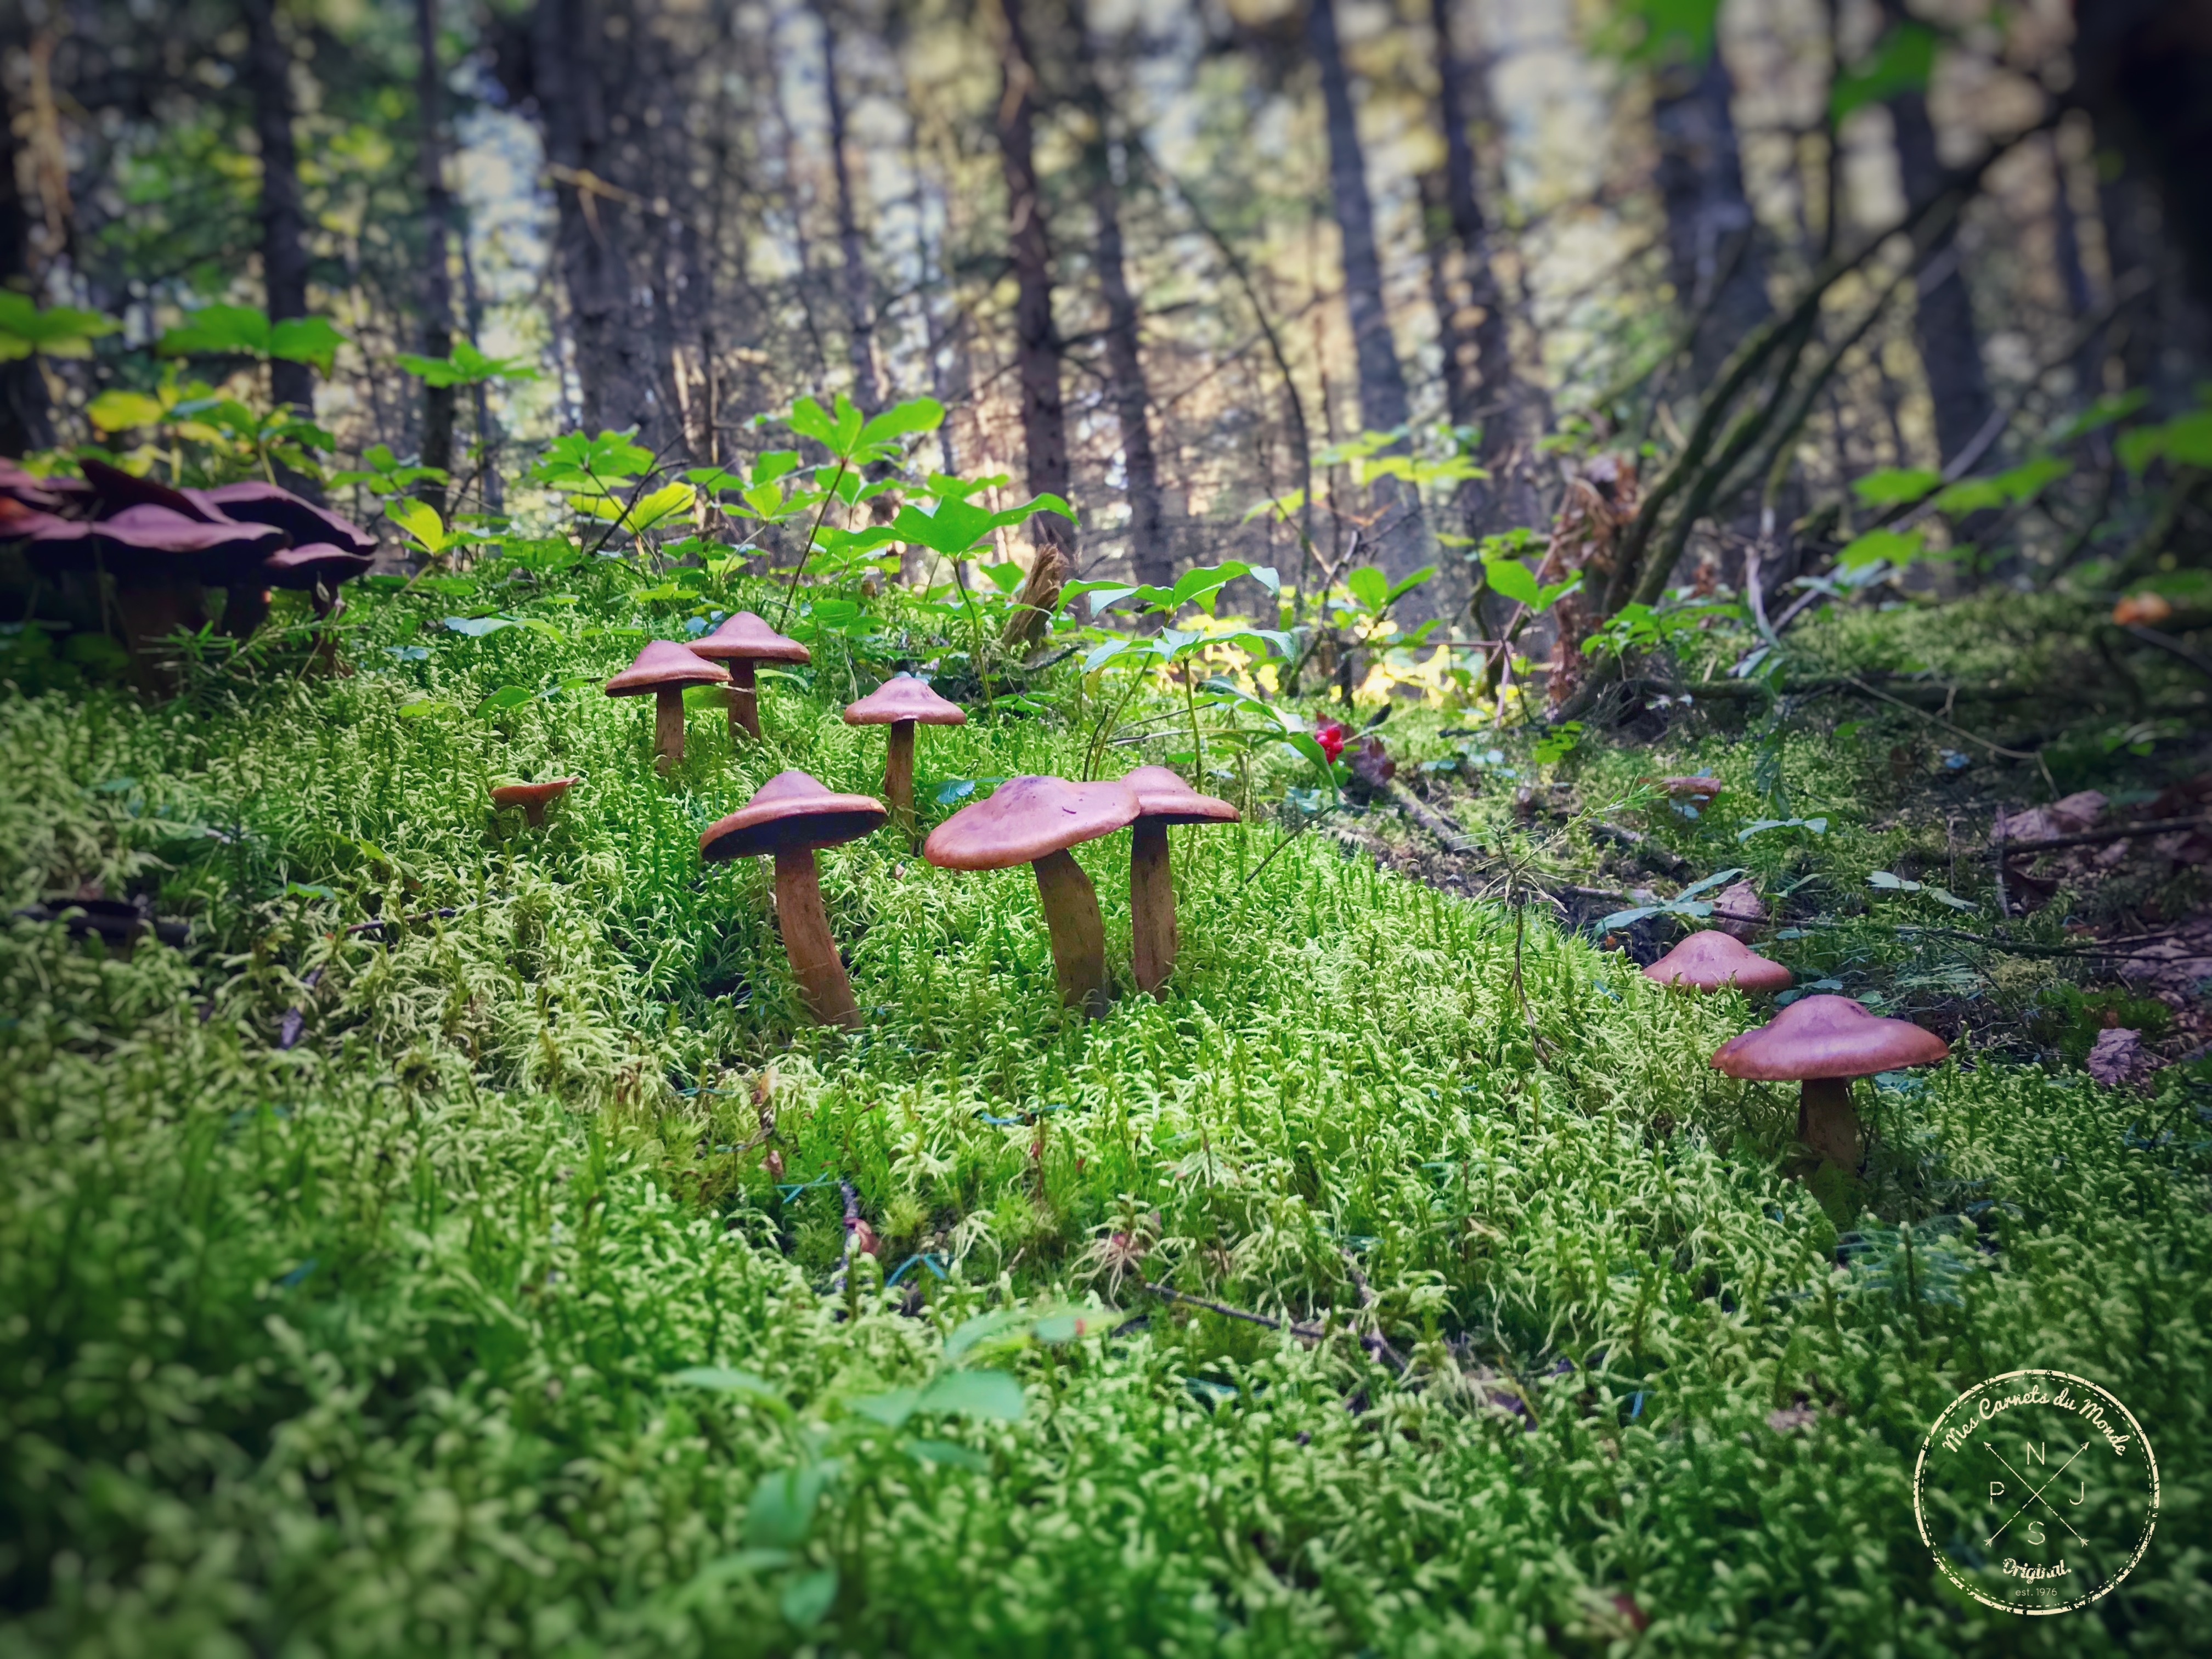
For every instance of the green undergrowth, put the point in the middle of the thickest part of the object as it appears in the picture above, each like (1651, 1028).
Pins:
(346, 1279)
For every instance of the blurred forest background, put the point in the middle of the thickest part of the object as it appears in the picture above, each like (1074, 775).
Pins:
(1671, 293)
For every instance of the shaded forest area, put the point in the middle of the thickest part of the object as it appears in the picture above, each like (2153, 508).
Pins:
(587, 590)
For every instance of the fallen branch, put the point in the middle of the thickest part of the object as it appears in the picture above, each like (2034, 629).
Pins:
(2171, 647)
(1454, 839)
(1375, 1345)
(1642, 844)
(2094, 837)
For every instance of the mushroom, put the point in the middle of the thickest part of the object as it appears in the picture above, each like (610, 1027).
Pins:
(315, 568)
(1738, 912)
(792, 816)
(532, 798)
(1163, 798)
(664, 669)
(901, 702)
(1034, 821)
(1823, 1043)
(741, 641)
(254, 503)
(1712, 960)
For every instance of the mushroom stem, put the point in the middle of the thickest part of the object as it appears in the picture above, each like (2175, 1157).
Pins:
(149, 613)
(245, 607)
(743, 697)
(1079, 932)
(898, 776)
(533, 812)
(1151, 905)
(1827, 1122)
(668, 726)
(823, 985)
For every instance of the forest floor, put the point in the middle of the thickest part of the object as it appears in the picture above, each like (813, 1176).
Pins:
(451, 1245)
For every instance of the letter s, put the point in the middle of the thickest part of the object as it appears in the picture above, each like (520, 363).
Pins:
(2035, 1532)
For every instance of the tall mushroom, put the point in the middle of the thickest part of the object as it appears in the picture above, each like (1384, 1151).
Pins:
(741, 643)
(1711, 960)
(902, 702)
(662, 671)
(532, 798)
(1034, 821)
(1162, 800)
(1823, 1043)
(792, 815)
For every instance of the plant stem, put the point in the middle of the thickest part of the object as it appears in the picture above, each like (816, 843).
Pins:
(806, 552)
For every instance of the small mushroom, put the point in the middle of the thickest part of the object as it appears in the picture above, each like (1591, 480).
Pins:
(1034, 821)
(1823, 1043)
(901, 702)
(1739, 912)
(254, 503)
(1163, 798)
(663, 669)
(1712, 960)
(532, 798)
(315, 569)
(742, 641)
(792, 816)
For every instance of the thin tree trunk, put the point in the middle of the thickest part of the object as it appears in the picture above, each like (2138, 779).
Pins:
(859, 305)
(284, 220)
(437, 281)
(1398, 534)
(1151, 558)
(1713, 256)
(1036, 345)
(487, 424)
(1477, 333)
(26, 422)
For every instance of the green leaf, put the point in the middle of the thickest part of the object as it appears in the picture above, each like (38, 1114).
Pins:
(890, 1408)
(306, 340)
(1879, 546)
(507, 698)
(920, 415)
(1400, 589)
(1514, 579)
(973, 1393)
(782, 1510)
(944, 1452)
(421, 521)
(119, 412)
(1892, 486)
(722, 1379)
(1704, 886)
(808, 1598)
(952, 528)
(983, 1327)
(1370, 586)
(219, 330)
(1901, 63)
(56, 332)
(477, 627)
(423, 708)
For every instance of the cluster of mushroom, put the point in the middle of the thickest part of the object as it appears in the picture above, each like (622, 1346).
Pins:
(1819, 1043)
(161, 549)
(1027, 820)
(666, 669)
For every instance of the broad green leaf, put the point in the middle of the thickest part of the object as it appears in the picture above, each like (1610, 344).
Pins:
(118, 411)
(952, 528)
(1400, 589)
(422, 707)
(507, 698)
(1893, 485)
(890, 1408)
(420, 521)
(1879, 546)
(1705, 885)
(219, 330)
(477, 627)
(782, 1510)
(983, 1327)
(55, 331)
(920, 415)
(1369, 586)
(1514, 579)
(306, 340)
(807, 1599)
(973, 1393)
(944, 1452)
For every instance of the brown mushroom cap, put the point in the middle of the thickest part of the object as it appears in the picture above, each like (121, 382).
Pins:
(114, 491)
(253, 502)
(1826, 1036)
(1163, 797)
(746, 638)
(531, 794)
(154, 540)
(313, 564)
(1711, 960)
(1025, 818)
(902, 697)
(791, 811)
(665, 665)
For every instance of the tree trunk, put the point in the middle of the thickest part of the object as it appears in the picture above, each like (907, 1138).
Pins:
(437, 281)
(1151, 560)
(591, 102)
(1713, 256)
(859, 305)
(25, 420)
(1396, 530)
(1943, 317)
(284, 220)
(1037, 346)
(487, 423)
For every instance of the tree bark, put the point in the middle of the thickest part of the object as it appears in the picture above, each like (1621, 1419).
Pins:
(1713, 256)
(1943, 314)
(1397, 532)
(1151, 560)
(859, 305)
(591, 102)
(437, 281)
(25, 422)
(284, 219)
(1036, 345)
